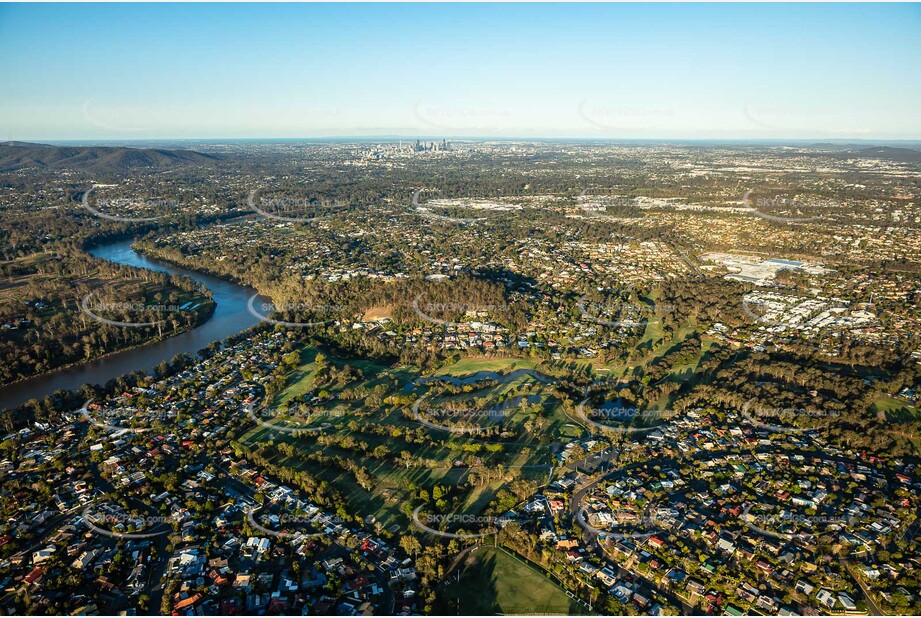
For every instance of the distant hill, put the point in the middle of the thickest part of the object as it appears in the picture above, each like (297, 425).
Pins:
(905, 155)
(23, 155)
(831, 146)
(853, 151)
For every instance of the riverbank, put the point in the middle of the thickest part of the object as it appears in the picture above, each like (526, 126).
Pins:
(229, 317)
(206, 316)
(145, 249)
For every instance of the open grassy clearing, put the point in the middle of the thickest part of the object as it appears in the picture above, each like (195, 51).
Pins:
(504, 584)
(444, 458)
(896, 410)
(467, 366)
(393, 484)
(455, 460)
(300, 380)
(303, 378)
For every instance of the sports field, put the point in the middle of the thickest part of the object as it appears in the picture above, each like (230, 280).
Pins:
(504, 584)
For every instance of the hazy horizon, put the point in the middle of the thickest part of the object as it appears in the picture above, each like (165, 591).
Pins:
(815, 72)
(382, 139)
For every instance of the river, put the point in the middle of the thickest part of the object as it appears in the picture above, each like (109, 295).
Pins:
(230, 317)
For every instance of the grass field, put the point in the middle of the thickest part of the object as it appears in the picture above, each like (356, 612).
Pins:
(383, 501)
(503, 584)
(532, 434)
(300, 380)
(466, 366)
(393, 482)
(896, 410)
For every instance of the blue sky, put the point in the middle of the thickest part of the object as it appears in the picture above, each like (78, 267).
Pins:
(144, 71)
